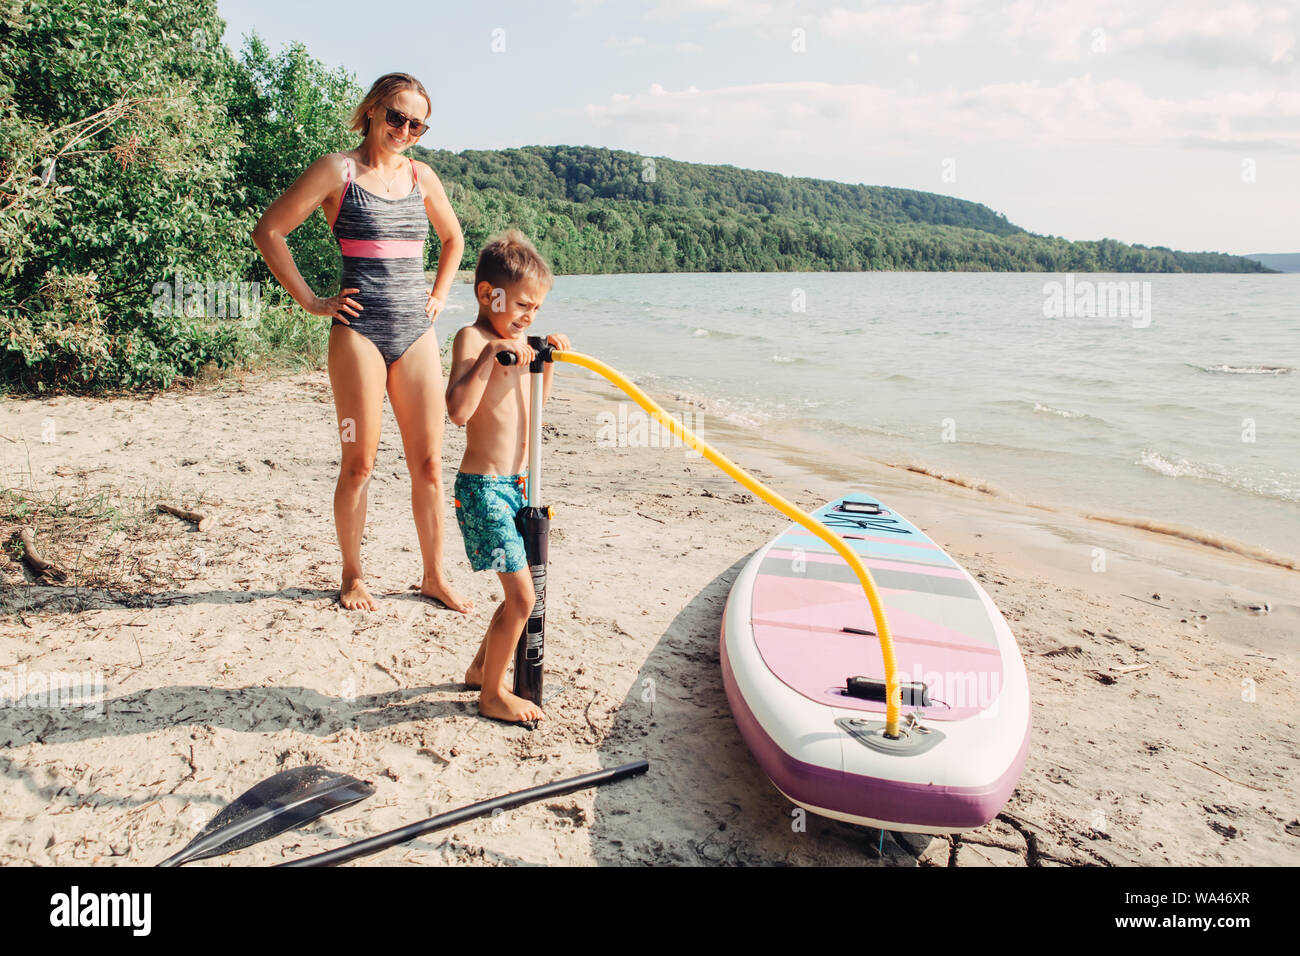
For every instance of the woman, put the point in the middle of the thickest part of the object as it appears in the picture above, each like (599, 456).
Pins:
(379, 205)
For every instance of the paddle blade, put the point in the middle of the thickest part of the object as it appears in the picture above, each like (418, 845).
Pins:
(290, 799)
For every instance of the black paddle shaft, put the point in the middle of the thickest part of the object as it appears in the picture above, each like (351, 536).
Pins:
(472, 812)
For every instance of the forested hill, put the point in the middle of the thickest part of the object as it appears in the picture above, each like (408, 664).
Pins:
(600, 210)
(582, 173)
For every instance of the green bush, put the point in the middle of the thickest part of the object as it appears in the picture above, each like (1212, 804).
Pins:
(291, 110)
(128, 177)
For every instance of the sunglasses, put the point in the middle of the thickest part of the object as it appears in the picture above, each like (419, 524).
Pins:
(397, 120)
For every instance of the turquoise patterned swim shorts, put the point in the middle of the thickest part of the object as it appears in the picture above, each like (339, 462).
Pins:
(486, 506)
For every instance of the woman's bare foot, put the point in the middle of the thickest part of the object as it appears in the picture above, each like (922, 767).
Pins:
(353, 595)
(504, 705)
(440, 590)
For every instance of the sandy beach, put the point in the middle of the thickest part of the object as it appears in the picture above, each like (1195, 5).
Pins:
(1164, 714)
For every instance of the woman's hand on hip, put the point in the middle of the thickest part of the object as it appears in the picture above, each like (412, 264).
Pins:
(433, 306)
(336, 305)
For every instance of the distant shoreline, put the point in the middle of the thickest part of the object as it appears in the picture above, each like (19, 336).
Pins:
(594, 210)
(467, 275)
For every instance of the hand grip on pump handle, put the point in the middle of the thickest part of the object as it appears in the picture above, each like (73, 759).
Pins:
(510, 358)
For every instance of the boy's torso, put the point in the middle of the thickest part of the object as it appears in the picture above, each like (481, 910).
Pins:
(496, 435)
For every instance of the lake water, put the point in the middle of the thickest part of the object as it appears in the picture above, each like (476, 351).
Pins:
(1180, 405)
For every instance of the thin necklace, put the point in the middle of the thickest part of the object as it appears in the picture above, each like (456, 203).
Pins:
(388, 186)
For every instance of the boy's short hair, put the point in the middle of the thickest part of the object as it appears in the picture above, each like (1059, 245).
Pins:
(509, 257)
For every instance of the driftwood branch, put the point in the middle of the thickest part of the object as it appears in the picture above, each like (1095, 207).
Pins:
(37, 561)
(201, 521)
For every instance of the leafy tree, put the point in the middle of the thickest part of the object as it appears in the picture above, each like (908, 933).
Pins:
(291, 110)
(128, 100)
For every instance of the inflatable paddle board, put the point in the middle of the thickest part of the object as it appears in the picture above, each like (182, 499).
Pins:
(804, 676)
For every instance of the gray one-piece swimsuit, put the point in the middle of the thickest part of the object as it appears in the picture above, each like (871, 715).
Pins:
(382, 242)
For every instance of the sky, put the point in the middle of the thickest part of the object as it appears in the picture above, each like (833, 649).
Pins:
(1172, 123)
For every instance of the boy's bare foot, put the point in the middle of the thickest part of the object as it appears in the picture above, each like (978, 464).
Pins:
(353, 595)
(504, 705)
(474, 676)
(440, 590)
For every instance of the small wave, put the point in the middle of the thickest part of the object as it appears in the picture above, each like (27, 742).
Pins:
(743, 413)
(1062, 412)
(1271, 487)
(788, 360)
(701, 332)
(1197, 536)
(1172, 469)
(1244, 369)
(1024, 404)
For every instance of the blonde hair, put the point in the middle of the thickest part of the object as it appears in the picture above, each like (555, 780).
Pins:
(387, 85)
(509, 257)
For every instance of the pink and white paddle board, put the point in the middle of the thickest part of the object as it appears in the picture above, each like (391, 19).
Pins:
(797, 626)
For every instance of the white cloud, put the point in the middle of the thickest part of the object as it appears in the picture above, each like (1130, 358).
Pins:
(1207, 33)
(733, 14)
(1204, 33)
(668, 9)
(625, 45)
(871, 120)
(925, 23)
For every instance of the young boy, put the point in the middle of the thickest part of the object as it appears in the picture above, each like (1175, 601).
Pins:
(492, 401)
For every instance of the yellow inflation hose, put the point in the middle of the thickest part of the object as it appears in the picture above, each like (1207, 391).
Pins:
(893, 703)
